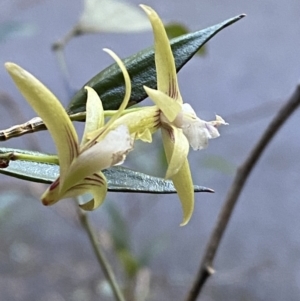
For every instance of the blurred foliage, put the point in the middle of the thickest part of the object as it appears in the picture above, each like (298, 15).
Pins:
(13, 29)
(121, 238)
(218, 163)
(6, 200)
(111, 16)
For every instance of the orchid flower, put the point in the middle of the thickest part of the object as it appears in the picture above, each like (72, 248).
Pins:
(178, 121)
(80, 163)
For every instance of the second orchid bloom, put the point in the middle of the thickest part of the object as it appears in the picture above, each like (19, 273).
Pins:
(179, 123)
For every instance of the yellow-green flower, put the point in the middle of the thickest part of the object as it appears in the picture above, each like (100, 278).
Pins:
(179, 123)
(80, 163)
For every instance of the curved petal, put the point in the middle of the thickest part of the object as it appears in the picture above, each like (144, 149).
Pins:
(127, 88)
(184, 185)
(109, 151)
(97, 185)
(176, 148)
(94, 113)
(48, 107)
(52, 193)
(141, 123)
(164, 59)
(165, 103)
(145, 136)
(98, 135)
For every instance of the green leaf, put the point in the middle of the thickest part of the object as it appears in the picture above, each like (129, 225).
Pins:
(120, 236)
(109, 83)
(219, 163)
(129, 262)
(118, 229)
(120, 179)
(175, 30)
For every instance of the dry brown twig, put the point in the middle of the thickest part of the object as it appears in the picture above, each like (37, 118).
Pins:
(206, 266)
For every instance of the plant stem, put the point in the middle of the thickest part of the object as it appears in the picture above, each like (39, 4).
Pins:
(12, 156)
(103, 262)
(36, 124)
(242, 174)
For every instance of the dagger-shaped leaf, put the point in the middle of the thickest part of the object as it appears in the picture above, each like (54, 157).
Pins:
(109, 83)
(119, 179)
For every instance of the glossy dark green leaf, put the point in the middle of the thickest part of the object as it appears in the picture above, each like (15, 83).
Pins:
(175, 30)
(120, 179)
(109, 83)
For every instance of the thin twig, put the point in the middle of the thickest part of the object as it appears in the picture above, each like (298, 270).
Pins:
(242, 174)
(16, 114)
(62, 43)
(36, 124)
(104, 264)
(33, 125)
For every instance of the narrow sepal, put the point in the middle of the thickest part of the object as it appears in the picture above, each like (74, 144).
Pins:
(183, 183)
(176, 148)
(165, 103)
(48, 107)
(164, 60)
(94, 113)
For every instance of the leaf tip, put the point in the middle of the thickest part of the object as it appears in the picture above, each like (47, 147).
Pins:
(203, 189)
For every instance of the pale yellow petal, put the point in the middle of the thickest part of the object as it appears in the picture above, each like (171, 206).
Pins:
(52, 194)
(176, 148)
(107, 152)
(183, 183)
(146, 117)
(94, 113)
(127, 89)
(141, 123)
(48, 107)
(165, 103)
(98, 191)
(95, 184)
(145, 136)
(164, 59)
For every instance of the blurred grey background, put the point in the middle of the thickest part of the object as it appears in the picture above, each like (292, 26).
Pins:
(248, 71)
